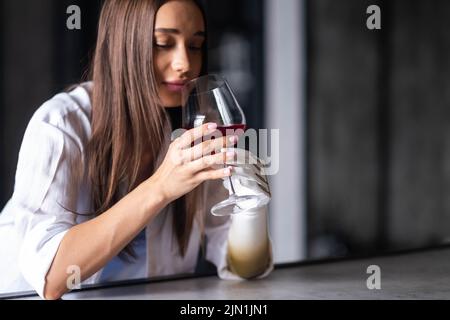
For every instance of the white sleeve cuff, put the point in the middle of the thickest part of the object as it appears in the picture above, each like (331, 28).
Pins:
(35, 267)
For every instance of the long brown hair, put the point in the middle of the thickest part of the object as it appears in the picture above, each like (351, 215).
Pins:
(128, 118)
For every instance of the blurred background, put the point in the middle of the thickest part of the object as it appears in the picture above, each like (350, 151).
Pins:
(364, 115)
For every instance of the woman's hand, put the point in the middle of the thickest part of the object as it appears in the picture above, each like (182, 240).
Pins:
(186, 166)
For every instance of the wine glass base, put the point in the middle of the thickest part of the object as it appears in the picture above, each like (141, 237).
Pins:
(236, 204)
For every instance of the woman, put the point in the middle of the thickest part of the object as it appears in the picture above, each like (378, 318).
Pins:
(99, 184)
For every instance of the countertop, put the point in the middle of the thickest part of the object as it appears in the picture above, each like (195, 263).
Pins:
(421, 274)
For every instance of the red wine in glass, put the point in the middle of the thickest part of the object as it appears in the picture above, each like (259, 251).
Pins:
(231, 129)
(234, 129)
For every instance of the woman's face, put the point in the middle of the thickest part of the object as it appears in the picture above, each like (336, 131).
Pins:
(179, 37)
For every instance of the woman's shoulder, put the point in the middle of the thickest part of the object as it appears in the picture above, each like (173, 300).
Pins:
(65, 104)
(68, 111)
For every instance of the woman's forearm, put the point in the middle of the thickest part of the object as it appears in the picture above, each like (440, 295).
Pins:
(92, 244)
(249, 245)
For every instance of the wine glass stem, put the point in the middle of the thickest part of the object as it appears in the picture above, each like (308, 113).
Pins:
(231, 185)
(233, 192)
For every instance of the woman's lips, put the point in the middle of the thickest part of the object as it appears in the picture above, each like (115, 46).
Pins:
(174, 86)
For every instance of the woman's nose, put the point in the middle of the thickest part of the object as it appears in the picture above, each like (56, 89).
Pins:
(180, 61)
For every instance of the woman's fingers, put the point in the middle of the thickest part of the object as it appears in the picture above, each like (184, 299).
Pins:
(213, 174)
(209, 161)
(190, 136)
(210, 146)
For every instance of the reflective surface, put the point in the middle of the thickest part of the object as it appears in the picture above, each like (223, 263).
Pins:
(415, 275)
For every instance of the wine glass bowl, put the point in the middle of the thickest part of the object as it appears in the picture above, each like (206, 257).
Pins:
(210, 99)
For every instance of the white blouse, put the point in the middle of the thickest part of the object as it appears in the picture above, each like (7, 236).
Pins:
(35, 220)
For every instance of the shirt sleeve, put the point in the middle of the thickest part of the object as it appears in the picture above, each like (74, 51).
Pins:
(44, 187)
(221, 231)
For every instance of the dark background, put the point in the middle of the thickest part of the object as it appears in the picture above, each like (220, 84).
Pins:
(378, 155)
(379, 126)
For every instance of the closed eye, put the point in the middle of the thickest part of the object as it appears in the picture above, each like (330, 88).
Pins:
(168, 46)
(195, 48)
(163, 45)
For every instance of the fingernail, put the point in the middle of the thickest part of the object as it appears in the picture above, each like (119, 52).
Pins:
(234, 139)
(212, 126)
(227, 171)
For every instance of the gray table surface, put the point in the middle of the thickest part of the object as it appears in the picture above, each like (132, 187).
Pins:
(417, 275)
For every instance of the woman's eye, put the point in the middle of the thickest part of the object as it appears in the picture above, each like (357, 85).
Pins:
(168, 46)
(164, 46)
(196, 46)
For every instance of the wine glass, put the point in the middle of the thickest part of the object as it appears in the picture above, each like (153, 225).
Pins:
(206, 99)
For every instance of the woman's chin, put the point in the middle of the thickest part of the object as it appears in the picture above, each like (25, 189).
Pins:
(172, 102)
(167, 106)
